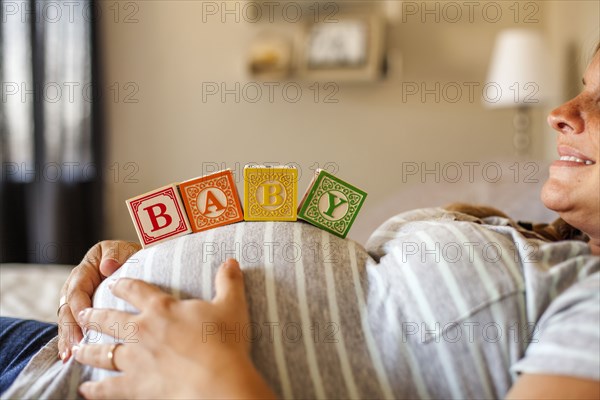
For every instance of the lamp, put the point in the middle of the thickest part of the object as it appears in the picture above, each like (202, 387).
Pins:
(517, 78)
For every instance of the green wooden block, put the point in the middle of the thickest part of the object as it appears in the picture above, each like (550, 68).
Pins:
(331, 204)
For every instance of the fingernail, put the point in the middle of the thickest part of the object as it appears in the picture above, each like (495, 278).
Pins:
(84, 314)
(233, 267)
(64, 356)
(74, 351)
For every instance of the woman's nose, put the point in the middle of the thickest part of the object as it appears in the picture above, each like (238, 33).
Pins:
(567, 119)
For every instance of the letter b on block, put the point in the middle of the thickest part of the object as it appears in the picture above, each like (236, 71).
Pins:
(158, 215)
(270, 193)
(153, 216)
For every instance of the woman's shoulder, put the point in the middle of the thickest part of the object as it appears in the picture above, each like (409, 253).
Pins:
(441, 225)
(466, 224)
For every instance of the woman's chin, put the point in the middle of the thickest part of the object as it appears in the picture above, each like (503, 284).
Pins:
(560, 199)
(553, 196)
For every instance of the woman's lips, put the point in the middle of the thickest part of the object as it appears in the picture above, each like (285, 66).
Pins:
(569, 157)
(576, 160)
(562, 163)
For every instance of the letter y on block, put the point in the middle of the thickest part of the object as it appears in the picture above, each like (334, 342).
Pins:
(331, 203)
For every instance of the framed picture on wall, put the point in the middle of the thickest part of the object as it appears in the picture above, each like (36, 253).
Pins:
(351, 49)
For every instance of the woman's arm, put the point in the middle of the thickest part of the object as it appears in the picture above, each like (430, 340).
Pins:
(540, 386)
(182, 348)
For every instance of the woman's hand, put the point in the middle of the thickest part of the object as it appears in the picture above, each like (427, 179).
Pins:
(181, 348)
(76, 294)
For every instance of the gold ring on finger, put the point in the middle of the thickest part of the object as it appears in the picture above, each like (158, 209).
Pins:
(62, 302)
(111, 355)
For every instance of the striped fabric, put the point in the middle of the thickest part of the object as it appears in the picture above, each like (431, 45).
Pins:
(441, 306)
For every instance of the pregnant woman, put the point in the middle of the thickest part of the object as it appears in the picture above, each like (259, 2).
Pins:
(441, 304)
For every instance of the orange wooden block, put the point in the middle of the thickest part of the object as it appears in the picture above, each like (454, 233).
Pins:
(158, 215)
(211, 201)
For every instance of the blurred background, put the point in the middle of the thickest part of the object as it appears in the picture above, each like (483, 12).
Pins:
(399, 98)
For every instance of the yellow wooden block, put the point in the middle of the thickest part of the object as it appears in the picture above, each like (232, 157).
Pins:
(270, 193)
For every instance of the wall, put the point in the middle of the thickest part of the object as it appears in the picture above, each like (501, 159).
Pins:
(172, 134)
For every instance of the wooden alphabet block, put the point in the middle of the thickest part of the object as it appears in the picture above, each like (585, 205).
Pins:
(211, 201)
(158, 215)
(270, 193)
(331, 203)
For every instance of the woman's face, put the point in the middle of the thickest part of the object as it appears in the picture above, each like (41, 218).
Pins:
(573, 189)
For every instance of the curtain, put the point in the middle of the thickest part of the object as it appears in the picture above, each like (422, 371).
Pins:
(51, 189)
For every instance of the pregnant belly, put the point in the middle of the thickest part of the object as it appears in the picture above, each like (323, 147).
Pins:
(306, 291)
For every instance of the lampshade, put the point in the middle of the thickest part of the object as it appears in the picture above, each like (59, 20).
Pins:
(517, 76)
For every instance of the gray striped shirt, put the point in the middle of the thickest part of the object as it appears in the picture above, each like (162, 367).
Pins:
(440, 305)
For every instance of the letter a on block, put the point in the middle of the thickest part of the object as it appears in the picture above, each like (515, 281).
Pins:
(158, 215)
(211, 200)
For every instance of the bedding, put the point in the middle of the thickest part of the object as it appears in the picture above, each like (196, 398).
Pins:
(440, 305)
(31, 291)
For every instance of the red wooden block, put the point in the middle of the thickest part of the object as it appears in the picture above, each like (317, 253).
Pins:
(211, 201)
(158, 215)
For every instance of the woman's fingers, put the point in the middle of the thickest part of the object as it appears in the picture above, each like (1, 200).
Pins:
(69, 333)
(110, 388)
(77, 293)
(169, 356)
(103, 259)
(109, 356)
(141, 295)
(229, 285)
(118, 324)
(114, 255)
(78, 300)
